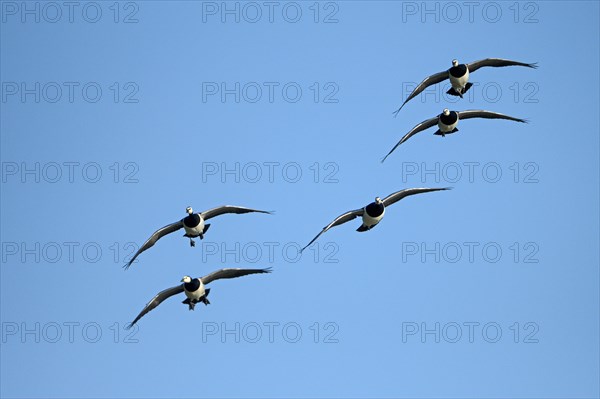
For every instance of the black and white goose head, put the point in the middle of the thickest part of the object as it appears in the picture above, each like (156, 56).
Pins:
(375, 208)
(454, 63)
(186, 279)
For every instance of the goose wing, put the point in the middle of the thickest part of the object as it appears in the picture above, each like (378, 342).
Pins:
(398, 195)
(157, 235)
(336, 222)
(497, 62)
(154, 302)
(211, 213)
(231, 273)
(419, 128)
(475, 113)
(428, 81)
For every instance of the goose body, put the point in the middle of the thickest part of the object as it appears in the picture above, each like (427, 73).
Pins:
(193, 288)
(459, 78)
(447, 121)
(193, 224)
(372, 214)
(195, 291)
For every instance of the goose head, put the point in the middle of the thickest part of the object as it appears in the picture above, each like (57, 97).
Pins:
(454, 63)
(189, 210)
(186, 279)
(446, 111)
(378, 201)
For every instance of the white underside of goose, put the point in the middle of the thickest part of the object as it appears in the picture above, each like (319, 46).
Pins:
(459, 84)
(196, 295)
(447, 128)
(194, 231)
(371, 221)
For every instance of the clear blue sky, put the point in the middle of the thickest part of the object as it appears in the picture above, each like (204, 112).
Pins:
(110, 129)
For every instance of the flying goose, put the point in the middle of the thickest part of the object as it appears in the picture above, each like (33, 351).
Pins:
(194, 289)
(459, 76)
(373, 213)
(447, 122)
(193, 224)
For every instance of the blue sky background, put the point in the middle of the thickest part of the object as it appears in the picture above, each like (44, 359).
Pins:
(369, 296)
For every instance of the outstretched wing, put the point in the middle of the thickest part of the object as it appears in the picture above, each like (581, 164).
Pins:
(211, 213)
(419, 128)
(473, 113)
(397, 196)
(161, 296)
(158, 234)
(337, 221)
(428, 81)
(231, 273)
(497, 62)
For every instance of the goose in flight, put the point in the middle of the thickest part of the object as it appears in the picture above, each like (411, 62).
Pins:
(459, 76)
(194, 289)
(193, 224)
(447, 122)
(373, 213)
